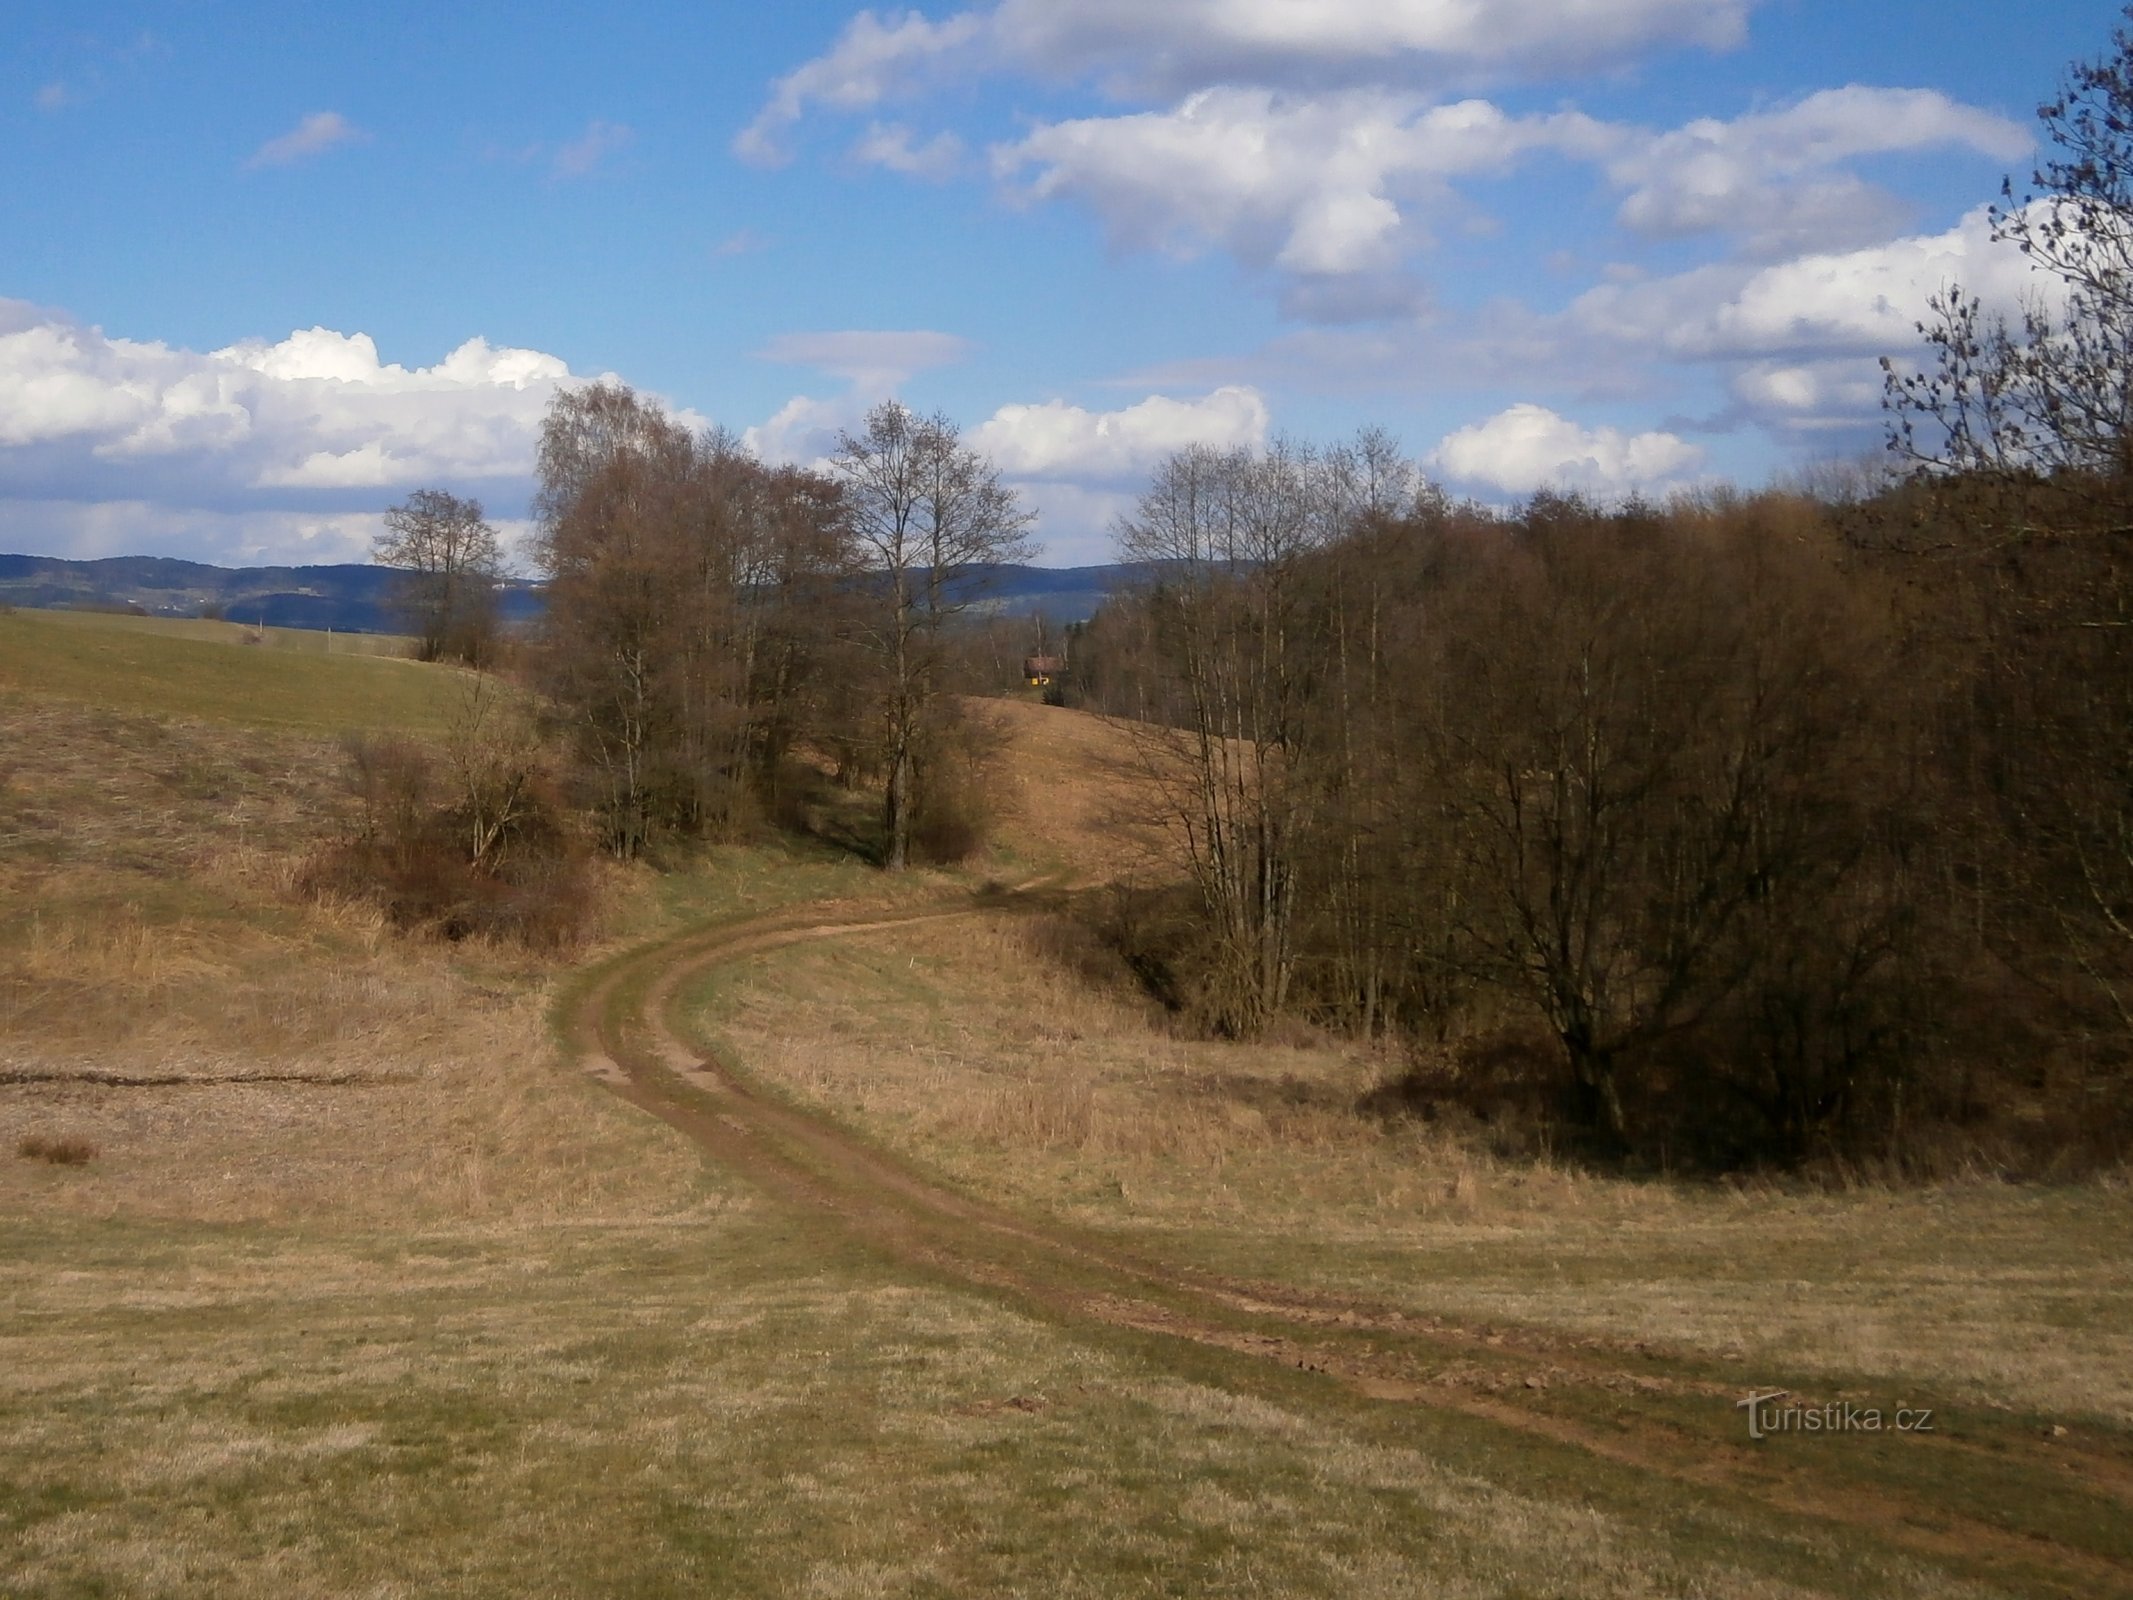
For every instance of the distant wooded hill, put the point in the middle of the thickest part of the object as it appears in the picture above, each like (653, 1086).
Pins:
(356, 598)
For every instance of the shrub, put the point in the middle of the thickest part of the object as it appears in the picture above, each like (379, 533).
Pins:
(1510, 1080)
(954, 814)
(59, 1152)
(459, 849)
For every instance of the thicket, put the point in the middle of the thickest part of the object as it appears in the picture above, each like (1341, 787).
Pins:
(466, 837)
(727, 646)
(724, 637)
(1743, 829)
(1732, 831)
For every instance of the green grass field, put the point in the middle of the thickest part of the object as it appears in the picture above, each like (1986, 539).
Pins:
(203, 670)
(235, 630)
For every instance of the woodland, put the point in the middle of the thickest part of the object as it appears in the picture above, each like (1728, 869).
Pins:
(1739, 828)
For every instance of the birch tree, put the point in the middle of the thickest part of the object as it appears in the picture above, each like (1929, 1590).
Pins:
(928, 515)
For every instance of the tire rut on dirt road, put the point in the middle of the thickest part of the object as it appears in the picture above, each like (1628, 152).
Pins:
(625, 1027)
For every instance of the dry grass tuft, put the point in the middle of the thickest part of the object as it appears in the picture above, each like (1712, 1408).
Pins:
(61, 1152)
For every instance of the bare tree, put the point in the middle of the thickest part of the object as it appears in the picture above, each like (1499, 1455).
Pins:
(2020, 436)
(1224, 537)
(1641, 776)
(611, 467)
(1649, 734)
(492, 764)
(2049, 396)
(928, 514)
(691, 590)
(450, 561)
(1370, 504)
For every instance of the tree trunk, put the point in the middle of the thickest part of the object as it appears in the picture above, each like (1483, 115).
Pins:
(897, 816)
(1595, 1093)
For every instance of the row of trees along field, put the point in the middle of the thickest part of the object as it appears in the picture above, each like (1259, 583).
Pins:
(717, 632)
(1648, 817)
(1748, 827)
(709, 615)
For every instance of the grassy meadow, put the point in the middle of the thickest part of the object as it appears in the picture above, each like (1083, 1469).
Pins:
(364, 1288)
(219, 672)
(988, 1063)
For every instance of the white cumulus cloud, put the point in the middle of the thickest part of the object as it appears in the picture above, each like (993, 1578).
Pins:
(803, 432)
(1081, 470)
(1177, 47)
(1339, 193)
(1317, 185)
(896, 147)
(367, 466)
(873, 362)
(309, 428)
(1777, 175)
(1062, 441)
(871, 61)
(1323, 142)
(1076, 467)
(1075, 522)
(1529, 447)
(1864, 302)
(1182, 45)
(1812, 397)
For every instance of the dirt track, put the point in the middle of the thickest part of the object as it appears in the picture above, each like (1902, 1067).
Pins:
(1580, 1393)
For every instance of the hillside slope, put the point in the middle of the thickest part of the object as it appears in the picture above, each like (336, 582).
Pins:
(1076, 791)
(356, 597)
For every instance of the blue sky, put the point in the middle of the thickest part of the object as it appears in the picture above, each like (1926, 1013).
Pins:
(264, 269)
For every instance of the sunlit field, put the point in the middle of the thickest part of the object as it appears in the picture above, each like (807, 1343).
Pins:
(333, 1271)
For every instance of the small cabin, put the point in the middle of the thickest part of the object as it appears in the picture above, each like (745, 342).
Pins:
(1039, 671)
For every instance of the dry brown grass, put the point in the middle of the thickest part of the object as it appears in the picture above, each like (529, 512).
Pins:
(464, 1322)
(1017, 1065)
(687, 1409)
(306, 1062)
(1015, 1077)
(1074, 794)
(1025, 1075)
